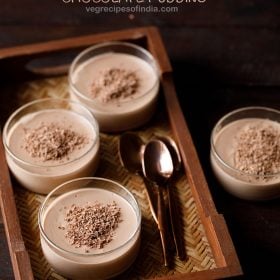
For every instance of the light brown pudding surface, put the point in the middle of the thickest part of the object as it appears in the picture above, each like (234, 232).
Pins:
(114, 78)
(119, 89)
(251, 146)
(51, 137)
(89, 216)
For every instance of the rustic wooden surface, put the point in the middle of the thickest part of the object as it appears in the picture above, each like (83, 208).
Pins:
(225, 55)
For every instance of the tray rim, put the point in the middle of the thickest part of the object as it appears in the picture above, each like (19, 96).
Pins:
(214, 223)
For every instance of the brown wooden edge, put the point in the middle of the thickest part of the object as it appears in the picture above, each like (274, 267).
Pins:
(215, 226)
(19, 255)
(74, 42)
(214, 223)
(84, 41)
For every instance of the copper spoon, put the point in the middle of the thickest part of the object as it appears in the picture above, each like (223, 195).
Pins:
(173, 149)
(131, 149)
(158, 167)
(177, 162)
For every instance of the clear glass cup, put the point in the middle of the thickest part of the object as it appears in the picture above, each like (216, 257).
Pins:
(76, 263)
(39, 176)
(115, 116)
(237, 182)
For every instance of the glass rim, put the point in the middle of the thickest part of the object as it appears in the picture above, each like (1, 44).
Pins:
(92, 122)
(48, 240)
(107, 44)
(215, 152)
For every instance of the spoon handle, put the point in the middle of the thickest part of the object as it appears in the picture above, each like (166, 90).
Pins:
(162, 224)
(151, 198)
(173, 213)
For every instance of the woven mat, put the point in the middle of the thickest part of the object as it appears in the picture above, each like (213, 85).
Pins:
(149, 261)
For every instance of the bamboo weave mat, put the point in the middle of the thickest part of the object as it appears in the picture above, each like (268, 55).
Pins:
(149, 261)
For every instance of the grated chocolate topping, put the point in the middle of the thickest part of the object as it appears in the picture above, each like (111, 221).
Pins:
(114, 84)
(92, 226)
(258, 150)
(52, 142)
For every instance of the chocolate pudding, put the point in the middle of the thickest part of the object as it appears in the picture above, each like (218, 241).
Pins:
(247, 157)
(119, 88)
(90, 233)
(50, 146)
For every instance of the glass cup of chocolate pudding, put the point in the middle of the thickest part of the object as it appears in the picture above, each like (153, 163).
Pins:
(118, 82)
(245, 152)
(90, 228)
(50, 141)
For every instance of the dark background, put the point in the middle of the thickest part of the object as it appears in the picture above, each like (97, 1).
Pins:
(225, 55)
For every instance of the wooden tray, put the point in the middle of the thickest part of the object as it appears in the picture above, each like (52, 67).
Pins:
(209, 248)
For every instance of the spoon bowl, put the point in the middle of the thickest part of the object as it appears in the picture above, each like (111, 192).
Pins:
(131, 152)
(131, 148)
(173, 149)
(158, 164)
